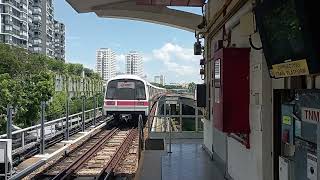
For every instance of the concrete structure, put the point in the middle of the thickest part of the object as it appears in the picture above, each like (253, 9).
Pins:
(59, 40)
(106, 63)
(160, 79)
(29, 24)
(134, 63)
(232, 21)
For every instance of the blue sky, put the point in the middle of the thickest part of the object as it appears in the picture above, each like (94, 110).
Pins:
(166, 50)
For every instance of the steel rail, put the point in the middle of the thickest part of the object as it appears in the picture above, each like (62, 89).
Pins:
(115, 160)
(85, 157)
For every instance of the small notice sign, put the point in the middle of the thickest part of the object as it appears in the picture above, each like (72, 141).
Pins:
(286, 120)
(311, 115)
(292, 68)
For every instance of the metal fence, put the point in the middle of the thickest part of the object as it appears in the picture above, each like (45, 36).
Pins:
(53, 131)
(175, 114)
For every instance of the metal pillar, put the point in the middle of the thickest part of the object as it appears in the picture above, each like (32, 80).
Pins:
(9, 121)
(197, 115)
(149, 117)
(165, 113)
(318, 151)
(170, 128)
(83, 113)
(67, 120)
(94, 110)
(180, 113)
(22, 140)
(42, 139)
(141, 134)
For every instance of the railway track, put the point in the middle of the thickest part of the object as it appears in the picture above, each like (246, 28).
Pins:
(97, 158)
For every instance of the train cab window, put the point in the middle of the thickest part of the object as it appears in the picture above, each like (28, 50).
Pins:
(111, 92)
(126, 90)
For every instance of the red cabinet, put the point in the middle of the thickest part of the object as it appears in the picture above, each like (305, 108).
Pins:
(232, 87)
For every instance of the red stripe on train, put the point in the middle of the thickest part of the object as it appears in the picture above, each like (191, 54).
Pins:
(132, 103)
(126, 103)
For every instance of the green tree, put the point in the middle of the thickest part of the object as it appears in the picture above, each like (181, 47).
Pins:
(192, 87)
(74, 69)
(57, 106)
(57, 66)
(10, 91)
(26, 79)
(37, 88)
(157, 84)
(8, 61)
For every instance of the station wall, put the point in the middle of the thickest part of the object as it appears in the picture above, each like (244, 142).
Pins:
(242, 163)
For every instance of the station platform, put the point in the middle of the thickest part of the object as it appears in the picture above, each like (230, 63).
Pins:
(188, 161)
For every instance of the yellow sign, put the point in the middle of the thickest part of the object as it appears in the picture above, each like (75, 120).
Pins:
(293, 68)
(286, 120)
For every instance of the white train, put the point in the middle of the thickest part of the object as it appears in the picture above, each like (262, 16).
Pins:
(127, 96)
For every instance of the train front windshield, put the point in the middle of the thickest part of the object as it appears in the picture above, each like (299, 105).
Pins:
(126, 90)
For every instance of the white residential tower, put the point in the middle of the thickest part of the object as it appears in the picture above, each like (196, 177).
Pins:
(106, 63)
(134, 63)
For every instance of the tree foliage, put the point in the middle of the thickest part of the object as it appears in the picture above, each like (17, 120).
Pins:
(157, 84)
(192, 87)
(26, 79)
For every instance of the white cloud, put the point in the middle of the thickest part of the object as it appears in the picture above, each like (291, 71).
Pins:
(121, 58)
(146, 57)
(173, 51)
(120, 62)
(178, 59)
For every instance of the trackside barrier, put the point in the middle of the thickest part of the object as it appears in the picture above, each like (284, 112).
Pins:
(30, 136)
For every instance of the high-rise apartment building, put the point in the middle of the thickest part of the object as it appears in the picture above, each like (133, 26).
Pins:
(134, 63)
(159, 79)
(29, 24)
(14, 22)
(43, 27)
(106, 63)
(59, 40)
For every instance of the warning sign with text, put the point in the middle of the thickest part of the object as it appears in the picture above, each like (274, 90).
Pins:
(293, 68)
(310, 115)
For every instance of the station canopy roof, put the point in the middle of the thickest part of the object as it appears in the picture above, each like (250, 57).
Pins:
(155, 11)
(197, 3)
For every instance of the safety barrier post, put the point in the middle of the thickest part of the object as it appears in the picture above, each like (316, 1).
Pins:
(67, 120)
(22, 140)
(9, 121)
(83, 115)
(42, 140)
(94, 110)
